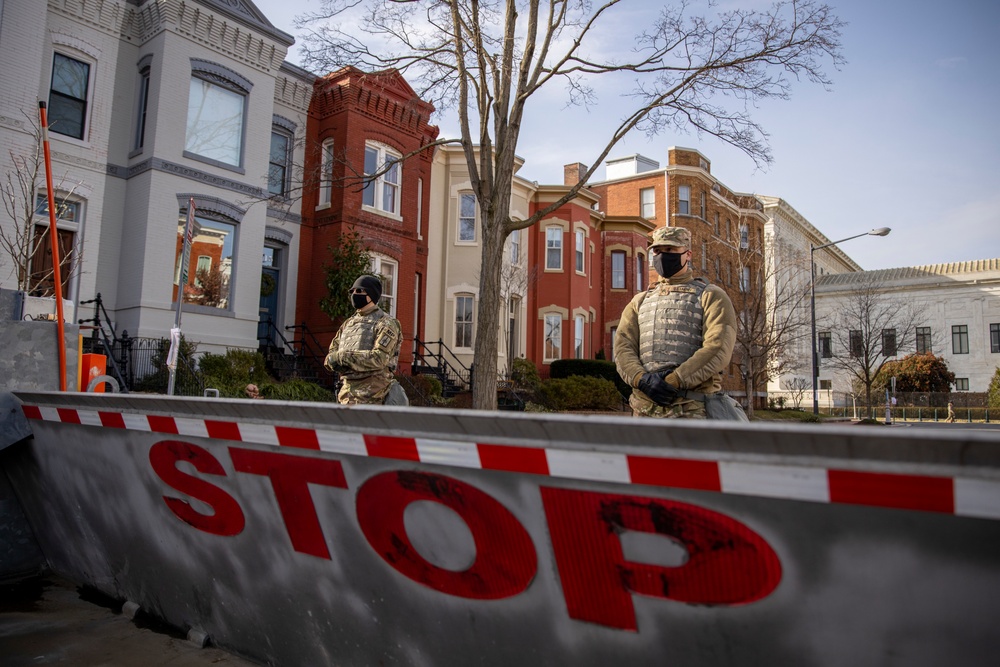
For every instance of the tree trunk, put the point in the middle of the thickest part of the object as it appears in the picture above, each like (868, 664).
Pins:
(484, 391)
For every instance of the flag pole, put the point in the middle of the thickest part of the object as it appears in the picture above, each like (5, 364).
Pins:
(175, 332)
(54, 239)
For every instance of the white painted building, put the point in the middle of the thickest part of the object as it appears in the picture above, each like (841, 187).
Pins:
(153, 103)
(958, 308)
(959, 305)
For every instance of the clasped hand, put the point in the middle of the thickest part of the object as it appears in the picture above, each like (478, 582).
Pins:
(659, 390)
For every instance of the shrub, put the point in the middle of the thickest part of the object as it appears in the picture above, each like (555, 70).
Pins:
(580, 392)
(296, 389)
(993, 393)
(524, 374)
(564, 368)
(231, 372)
(421, 389)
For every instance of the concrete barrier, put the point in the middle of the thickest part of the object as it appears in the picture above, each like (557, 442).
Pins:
(297, 534)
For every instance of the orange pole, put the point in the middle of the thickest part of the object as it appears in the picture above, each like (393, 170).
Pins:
(54, 238)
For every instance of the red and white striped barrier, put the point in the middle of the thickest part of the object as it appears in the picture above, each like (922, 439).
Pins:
(961, 496)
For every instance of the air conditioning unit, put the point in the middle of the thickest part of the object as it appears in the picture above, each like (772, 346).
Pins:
(40, 308)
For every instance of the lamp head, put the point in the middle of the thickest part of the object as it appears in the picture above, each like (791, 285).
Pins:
(881, 231)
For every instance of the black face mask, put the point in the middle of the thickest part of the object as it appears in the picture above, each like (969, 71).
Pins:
(359, 300)
(668, 263)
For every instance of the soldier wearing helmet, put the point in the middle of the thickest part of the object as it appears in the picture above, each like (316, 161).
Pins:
(675, 339)
(365, 350)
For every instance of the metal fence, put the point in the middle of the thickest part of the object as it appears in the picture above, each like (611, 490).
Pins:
(140, 365)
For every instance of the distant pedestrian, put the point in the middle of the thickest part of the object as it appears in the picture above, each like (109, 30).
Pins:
(951, 413)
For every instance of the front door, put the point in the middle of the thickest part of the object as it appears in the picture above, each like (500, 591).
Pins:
(269, 283)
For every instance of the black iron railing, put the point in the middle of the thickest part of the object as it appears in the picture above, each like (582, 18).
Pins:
(436, 358)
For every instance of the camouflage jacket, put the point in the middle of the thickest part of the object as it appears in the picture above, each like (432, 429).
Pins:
(365, 352)
(702, 372)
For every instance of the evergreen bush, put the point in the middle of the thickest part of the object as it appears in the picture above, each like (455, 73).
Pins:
(564, 368)
(579, 392)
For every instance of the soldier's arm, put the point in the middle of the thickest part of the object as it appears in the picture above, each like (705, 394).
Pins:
(387, 337)
(719, 333)
(332, 361)
(627, 361)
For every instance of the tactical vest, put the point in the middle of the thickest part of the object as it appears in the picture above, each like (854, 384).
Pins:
(670, 325)
(359, 335)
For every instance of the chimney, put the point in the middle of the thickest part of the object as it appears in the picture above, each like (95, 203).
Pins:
(573, 173)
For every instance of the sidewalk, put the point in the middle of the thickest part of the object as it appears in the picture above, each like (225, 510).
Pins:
(50, 621)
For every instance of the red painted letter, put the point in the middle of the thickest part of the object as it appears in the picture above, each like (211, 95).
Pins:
(505, 556)
(290, 477)
(228, 517)
(728, 563)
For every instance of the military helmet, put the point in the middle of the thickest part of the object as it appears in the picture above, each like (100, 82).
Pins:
(670, 236)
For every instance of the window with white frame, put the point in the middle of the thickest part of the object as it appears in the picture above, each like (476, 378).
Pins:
(640, 272)
(387, 270)
(326, 173)
(647, 203)
(464, 309)
(716, 225)
(961, 384)
(381, 192)
(467, 218)
(703, 216)
(553, 337)
(515, 247)
(684, 199)
(68, 220)
(581, 240)
(745, 279)
(216, 117)
(578, 336)
(69, 96)
(617, 269)
(744, 236)
(279, 163)
(553, 248)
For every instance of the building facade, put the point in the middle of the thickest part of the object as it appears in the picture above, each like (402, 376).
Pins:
(356, 180)
(957, 309)
(788, 239)
(154, 106)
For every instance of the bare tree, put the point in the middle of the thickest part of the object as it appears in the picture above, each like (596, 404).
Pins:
(771, 307)
(869, 328)
(27, 236)
(796, 388)
(492, 60)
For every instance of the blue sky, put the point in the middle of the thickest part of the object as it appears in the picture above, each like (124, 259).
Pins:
(908, 137)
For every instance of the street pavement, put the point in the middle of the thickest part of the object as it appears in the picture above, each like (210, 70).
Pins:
(49, 621)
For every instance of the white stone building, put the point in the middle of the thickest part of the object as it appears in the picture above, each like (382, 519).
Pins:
(958, 308)
(152, 104)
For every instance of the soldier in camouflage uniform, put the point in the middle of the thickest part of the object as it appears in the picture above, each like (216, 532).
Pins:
(675, 339)
(365, 350)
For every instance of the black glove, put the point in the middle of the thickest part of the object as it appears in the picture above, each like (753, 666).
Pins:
(659, 390)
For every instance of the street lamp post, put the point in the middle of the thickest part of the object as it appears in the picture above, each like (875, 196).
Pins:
(881, 231)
